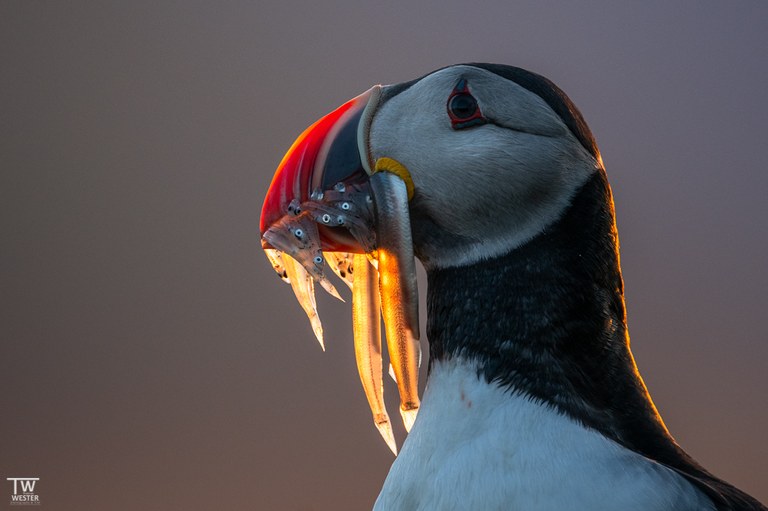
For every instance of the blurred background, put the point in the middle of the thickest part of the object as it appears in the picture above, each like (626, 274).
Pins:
(149, 357)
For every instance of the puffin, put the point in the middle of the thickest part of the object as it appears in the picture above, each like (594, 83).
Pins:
(490, 177)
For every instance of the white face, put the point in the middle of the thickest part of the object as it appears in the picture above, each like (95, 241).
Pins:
(482, 190)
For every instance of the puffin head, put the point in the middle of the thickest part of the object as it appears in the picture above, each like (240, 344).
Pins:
(464, 164)
(495, 154)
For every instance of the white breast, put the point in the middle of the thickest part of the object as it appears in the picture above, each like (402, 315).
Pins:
(477, 447)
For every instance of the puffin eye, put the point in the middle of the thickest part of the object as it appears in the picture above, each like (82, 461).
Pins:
(463, 108)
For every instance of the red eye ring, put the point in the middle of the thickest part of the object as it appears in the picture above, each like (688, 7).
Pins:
(462, 107)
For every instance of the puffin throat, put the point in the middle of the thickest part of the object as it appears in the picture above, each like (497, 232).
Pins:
(548, 319)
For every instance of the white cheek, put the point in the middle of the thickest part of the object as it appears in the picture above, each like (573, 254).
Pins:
(405, 128)
(488, 183)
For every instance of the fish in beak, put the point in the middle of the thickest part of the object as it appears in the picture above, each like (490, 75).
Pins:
(330, 206)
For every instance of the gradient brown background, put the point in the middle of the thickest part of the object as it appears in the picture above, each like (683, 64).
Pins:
(151, 360)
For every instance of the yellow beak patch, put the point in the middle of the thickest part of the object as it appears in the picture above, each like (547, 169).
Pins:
(395, 167)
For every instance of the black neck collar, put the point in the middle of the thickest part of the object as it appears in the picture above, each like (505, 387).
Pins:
(548, 320)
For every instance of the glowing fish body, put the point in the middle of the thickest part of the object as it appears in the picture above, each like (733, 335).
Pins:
(304, 289)
(366, 323)
(397, 282)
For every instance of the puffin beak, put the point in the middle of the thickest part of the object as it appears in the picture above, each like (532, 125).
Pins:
(330, 203)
